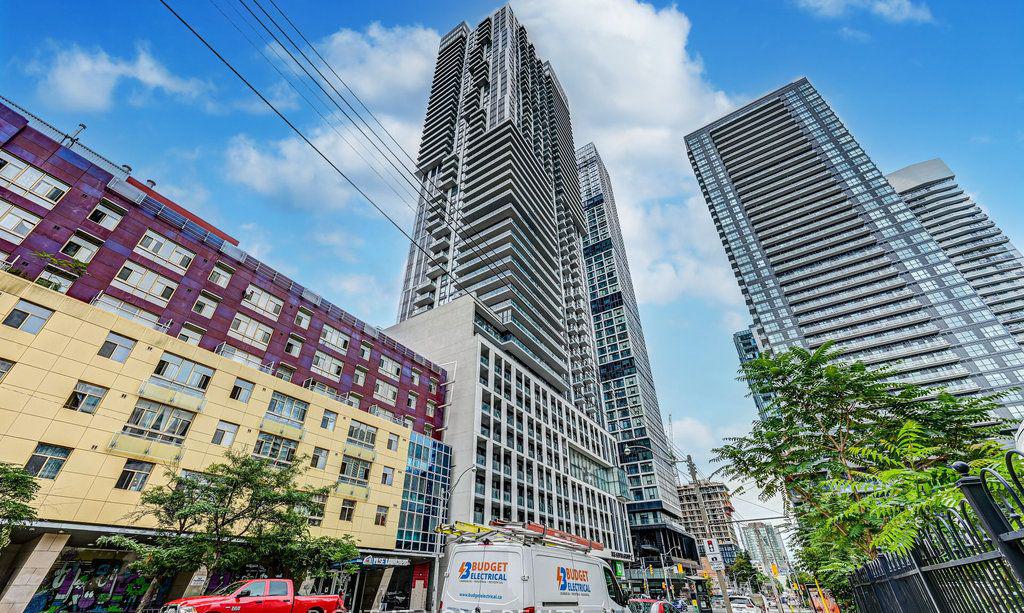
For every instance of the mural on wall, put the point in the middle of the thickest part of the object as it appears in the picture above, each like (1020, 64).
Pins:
(83, 580)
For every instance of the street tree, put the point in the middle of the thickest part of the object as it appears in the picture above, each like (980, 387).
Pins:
(743, 572)
(17, 491)
(243, 511)
(860, 458)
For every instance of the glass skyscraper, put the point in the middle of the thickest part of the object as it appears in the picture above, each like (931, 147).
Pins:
(825, 249)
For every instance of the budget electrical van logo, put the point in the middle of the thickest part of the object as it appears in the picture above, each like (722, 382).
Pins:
(488, 572)
(573, 580)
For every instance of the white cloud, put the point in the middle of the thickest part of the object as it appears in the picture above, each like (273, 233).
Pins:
(340, 244)
(896, 11)
(390, 70)
(854, 35)
(80, 79)
(636, 90)
(366, 296)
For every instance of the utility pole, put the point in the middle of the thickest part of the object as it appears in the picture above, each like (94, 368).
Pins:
(771, 577)
(722, 585)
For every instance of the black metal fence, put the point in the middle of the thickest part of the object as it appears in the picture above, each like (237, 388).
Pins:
(970, 560)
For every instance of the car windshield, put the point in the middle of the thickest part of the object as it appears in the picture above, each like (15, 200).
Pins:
(740, 600)
(228, 589)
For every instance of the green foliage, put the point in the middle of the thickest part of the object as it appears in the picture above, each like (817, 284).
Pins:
(743, 571)
(861, 461)
(17, 490)
(74, 266)
(240, 512)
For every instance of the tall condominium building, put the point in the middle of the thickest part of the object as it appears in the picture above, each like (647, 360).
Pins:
(720, 510)
(500, 301)
(824, 249)
(972, 241)
(748, 348)
(764, 544)
(137, 338)
(500, 215)
(628, 396)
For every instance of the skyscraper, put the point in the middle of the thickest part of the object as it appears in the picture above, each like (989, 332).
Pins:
(825, 249)
(763, 543)
(499, 296)
(629, 399)
(720, 510)
(748, 348)
(500, 214)
(976, 246)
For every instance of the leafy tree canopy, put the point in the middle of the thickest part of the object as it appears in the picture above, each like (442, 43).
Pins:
(17, 490)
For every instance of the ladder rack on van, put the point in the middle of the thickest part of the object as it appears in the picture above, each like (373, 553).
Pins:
(525, 532)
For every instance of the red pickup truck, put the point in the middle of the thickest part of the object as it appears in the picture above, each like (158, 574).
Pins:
(257, 596)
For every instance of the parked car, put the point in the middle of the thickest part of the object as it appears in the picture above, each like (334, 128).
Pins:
(651, 605)
(257, 596)
(744, 604)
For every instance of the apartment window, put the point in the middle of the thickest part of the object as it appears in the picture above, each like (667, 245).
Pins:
(134, 476)
(30, 182)
(242, 390)
(263, 302)
(362, 434)
(205, 305)
(47, 460)
(80, 247)
(144, 283)
(319, 458)
(221, 274)
(184, 372)
(225, 433)
(56, 280)
(354, 471)
(428, 429)
(364, 351)
(393, 442)
(285, 373)
(327, 366)
(410, 401)
(85, 398)
(277, 449)
(16, 223)
(129, 311)
(164, 251)
(433, 385)
(314, 515)
(303, 317)
(247, 329)
(390, 367)
(116, 347)
(431, 408)
(155, 421)
(191, 334)
(291, 411)
(329, 420)
(334, 339)
(27, 317)
(107, 214)
(385, 391)
(408, 422)
(5, 367)
(354, 399)
(381, 517)
(348, 510)
(293, 346)
(415, 377)
(359, 378)
(387, 476)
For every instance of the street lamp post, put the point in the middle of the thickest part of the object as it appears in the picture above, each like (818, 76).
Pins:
(445, 510)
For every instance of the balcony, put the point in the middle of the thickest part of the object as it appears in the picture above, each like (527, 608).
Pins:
(145, 449)
(352, 490)
(280, 428)
(172, 393)
(358, 451)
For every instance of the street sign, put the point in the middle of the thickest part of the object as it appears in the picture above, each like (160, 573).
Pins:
(775, 570)
(711, 546)
(715, 561)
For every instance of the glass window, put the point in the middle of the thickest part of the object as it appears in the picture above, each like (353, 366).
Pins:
(431, 408)
(410, 401)
(191, 334)
(134, 476)
(144, 283)
(387, 476)
(27, 317)
(116, 347)
(381, 517)
(57, 280)
(86, 397)
(247, 329)
(221, 274)
(184, 372)
(303, 317)
(164, 251)
(385, 391)
(335, 339)
(293, 346)
(263, 302)
(348, 510)
(256, 588)
(354, 470)
(159, 422)
(47, 460)
(359, 378)
(81, 248)
(276, 449)
(107, 214)
(242, 390)
(328, 421)
(289, 410)
(225, 433)
(393, 442)
(390, 367)
(315, 512)
(205, 305)
(319, 458)
(327, 366)
(280, 588)
(362, 434)
(364, 351)
(16, 223)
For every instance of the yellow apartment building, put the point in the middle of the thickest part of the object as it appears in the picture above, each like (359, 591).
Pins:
(98, 407)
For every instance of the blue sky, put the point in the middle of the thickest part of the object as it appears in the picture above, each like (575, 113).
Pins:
(912, 80)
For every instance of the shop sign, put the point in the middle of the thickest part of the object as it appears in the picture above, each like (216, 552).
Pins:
(383, 561)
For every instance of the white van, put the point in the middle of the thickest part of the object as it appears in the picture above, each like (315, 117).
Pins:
(524, 576)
